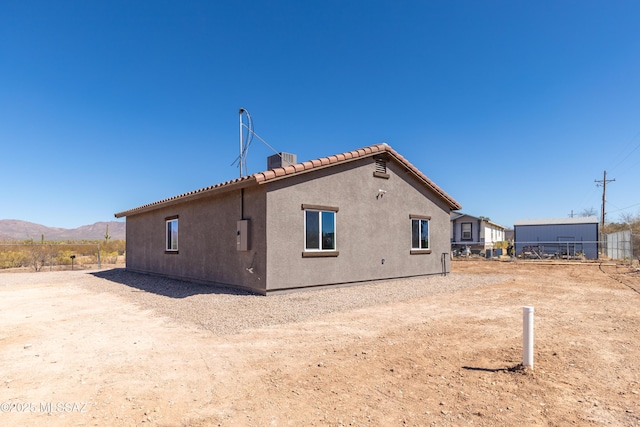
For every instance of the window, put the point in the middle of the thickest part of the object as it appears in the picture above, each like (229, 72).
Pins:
(172, 235)
(420, 233)
(466, 231)
(319, 229)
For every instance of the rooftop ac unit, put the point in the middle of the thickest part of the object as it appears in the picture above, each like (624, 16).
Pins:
(281, 160)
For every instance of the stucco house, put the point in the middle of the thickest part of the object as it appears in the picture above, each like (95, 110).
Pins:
(358, 216)
(476, 233)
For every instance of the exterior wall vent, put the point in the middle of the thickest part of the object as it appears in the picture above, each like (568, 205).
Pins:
(380, 170)
(281, 160)
(381, 166)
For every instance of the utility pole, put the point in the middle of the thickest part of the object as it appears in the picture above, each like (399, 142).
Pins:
(603, 182)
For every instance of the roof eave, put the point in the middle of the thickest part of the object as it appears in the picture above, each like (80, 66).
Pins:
(453, 204)
(298, 169)
(362, 153)
(192, 195)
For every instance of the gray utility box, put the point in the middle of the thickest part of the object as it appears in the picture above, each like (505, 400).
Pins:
(242, 235)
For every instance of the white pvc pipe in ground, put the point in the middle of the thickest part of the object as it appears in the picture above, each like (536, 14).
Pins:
(527, 336)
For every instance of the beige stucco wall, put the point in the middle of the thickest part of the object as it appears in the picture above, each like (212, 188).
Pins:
(369, 228)
(206, 240)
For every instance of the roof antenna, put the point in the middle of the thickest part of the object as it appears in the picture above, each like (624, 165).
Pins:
(244, 142)
(246, 137)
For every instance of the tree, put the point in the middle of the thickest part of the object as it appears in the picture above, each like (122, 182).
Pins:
(629, 219)
(37, 254)
(589, 212)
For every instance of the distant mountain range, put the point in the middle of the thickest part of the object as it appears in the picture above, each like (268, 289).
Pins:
(14, 229)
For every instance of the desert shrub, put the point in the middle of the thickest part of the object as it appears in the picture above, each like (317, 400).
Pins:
(107, 257)
(12, 258)
(63, 256)
(38, 256)
(27, 253)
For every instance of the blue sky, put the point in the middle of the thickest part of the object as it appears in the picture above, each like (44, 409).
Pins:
(513, 108)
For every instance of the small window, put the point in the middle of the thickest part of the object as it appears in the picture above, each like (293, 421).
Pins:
(466, 231)
(320, 230)
(172, 235)
(420, 233)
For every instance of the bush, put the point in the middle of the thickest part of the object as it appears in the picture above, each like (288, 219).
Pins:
(38, 255)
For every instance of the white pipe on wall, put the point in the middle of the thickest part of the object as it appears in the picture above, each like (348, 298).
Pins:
(527, 336)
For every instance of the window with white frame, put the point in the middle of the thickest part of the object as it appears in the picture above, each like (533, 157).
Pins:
(420, 232)
(466, 231)
(319, 228)
(171, 241)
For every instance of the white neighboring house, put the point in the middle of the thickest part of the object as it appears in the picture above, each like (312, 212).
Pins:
(473, 232)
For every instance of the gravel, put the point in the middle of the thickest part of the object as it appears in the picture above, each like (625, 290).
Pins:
(226, 311)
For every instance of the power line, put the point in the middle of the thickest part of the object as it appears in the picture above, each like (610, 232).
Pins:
(628, 154)
(633, 166)
(624, 209)
(587, 198)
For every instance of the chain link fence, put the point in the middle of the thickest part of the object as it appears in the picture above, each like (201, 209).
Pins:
(622, 246)
(560, 249)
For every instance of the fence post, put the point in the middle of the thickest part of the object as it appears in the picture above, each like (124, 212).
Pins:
(630, 247)
(527, 336)
(99, 264)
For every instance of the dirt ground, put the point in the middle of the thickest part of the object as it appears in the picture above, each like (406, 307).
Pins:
(447, 360)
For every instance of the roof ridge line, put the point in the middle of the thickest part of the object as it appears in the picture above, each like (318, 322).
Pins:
(302, 167)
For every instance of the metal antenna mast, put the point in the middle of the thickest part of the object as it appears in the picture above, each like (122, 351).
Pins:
(603, 182)
(245, 140)
(241, 143)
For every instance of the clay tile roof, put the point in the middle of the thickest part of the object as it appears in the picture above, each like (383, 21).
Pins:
(353, 155)
(280, 173)
(269, 174)
(195, 193)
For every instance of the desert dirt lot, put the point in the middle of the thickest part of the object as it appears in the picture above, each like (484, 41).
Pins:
(103, 352)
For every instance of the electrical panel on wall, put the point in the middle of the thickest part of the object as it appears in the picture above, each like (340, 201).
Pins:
(242, 235)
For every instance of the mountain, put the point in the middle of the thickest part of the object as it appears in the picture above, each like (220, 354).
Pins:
(14, 229)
